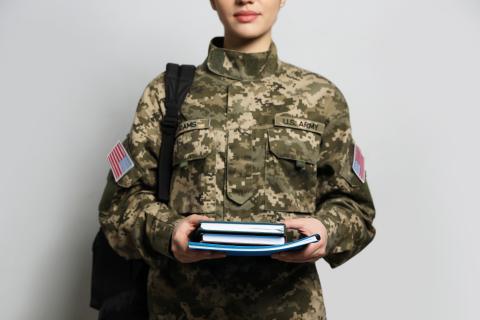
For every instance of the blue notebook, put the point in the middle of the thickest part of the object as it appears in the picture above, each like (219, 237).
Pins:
(235, 250)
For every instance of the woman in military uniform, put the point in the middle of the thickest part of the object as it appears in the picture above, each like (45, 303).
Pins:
(259, 139)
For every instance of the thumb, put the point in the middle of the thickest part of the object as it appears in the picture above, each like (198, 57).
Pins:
(195, 219)
(297, 224)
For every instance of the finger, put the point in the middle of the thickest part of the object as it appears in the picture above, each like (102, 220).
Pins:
(301, 254)
(315, 255)
(182, 227)
(217, 256)
(180, 240)
(306, 253)
(288, 260)
(195, 219)
(295, 223)
(301, 224)
(289, 257)
(311, 259)
(188, 260)
(320, 252)
(310, 249)
(182, 235)
(202, 259)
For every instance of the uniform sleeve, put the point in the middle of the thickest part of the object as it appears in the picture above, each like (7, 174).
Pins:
(134, 222)
(344, 203)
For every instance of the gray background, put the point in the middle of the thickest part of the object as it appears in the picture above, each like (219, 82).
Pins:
(71, 73)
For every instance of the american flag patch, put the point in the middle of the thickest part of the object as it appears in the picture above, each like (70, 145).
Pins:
(358, 165)
(119, 160)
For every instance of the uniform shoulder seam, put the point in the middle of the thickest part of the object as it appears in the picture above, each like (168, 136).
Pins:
(305, 72)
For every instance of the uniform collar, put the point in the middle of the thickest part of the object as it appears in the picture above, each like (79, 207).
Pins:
(240, 65)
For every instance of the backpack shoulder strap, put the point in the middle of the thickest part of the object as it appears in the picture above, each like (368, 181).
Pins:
(178, 79)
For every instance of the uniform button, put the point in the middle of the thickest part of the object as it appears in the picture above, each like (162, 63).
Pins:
(183, 163)
(300, 164)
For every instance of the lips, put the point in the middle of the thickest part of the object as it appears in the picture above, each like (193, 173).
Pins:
(246, 15)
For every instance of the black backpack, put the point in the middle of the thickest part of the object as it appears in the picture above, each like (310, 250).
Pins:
(119, 286)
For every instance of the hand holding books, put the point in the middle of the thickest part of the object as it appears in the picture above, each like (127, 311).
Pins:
(312, 252)
(245, 238)
(179, 241)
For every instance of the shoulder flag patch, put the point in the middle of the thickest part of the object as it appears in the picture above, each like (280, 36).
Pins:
(119, 160)
(358, 165)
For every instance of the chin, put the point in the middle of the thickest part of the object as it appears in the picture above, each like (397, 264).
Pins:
(248, 32)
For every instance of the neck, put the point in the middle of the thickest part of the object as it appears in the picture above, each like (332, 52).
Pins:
(247, 45)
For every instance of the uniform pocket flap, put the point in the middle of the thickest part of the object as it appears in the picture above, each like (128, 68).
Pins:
(294, 144)
(193, 140)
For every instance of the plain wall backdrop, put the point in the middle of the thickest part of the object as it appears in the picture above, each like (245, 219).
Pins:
(71, 73)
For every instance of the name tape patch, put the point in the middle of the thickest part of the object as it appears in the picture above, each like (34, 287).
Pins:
(358, 164)
(299, 123)
(193, 124)
(119, 161)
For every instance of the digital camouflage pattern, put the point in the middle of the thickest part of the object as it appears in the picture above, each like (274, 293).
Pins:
(259, 140)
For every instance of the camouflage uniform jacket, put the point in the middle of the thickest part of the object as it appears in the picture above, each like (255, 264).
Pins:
(259, 139)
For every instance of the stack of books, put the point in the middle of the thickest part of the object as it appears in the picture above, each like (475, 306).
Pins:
(245, 238)
(244, 233)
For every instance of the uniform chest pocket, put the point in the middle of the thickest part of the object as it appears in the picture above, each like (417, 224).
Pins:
(291, 168)
(193, 163)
